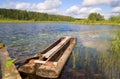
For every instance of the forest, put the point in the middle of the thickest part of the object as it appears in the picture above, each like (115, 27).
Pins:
(15, 14)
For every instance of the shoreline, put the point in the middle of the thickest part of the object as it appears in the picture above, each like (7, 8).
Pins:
(30, 21)
(72, 22)
(96, 23)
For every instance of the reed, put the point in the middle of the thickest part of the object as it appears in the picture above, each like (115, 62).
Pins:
(73, 60)
(109, 62)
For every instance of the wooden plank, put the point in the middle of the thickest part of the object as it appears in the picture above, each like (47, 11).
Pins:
(56, 48)
(39, 61)
(65, 56)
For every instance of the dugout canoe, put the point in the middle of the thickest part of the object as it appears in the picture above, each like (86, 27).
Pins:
(50, 62)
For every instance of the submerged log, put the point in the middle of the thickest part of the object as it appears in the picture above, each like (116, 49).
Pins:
(53, 59)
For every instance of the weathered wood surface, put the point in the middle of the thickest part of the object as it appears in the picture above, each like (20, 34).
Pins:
(56, 48)
(8, 72)
(52, 69)
(54, 59)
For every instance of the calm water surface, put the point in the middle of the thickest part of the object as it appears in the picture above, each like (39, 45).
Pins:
(25, 39)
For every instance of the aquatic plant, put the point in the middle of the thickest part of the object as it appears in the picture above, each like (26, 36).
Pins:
(109, 62)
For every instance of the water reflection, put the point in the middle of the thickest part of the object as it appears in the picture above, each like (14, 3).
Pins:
(25, 39)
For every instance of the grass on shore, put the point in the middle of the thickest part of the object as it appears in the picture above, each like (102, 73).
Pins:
(14, 21)
(105, 22)
(24, 21)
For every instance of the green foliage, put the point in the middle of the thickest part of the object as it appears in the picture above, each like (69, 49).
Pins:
(115, 18)
(96, 17)
(115, 45)
(15, 14)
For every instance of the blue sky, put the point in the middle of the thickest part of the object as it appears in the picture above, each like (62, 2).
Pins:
(74, 8)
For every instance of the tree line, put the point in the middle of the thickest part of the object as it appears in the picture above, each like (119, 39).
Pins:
(99, 17)
(16, 14)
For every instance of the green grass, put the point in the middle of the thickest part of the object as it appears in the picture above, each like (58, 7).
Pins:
(23, 21)
(105, 22)
(14, 21)
(110, 62)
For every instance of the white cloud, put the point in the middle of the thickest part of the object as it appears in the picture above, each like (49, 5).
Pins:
(95, 2)
(112, 3)
(49, 6)
(116, 10)
(97, 10)
(84, 9)
(107, 15)
(73, 10)
(23, 6)
(81, 12)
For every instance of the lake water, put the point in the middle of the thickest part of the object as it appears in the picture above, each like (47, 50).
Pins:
(25, 39)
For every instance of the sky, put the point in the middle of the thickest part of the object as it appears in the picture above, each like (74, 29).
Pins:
(74, 8)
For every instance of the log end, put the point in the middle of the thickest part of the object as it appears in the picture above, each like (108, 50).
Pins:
(47, 72)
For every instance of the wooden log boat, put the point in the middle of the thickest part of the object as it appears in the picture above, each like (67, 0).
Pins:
(49, 62)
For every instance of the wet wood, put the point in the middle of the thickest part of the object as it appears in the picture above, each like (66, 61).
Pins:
(53, 59)
(9, 72)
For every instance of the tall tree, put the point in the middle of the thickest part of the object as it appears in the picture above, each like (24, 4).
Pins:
(96, 17)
